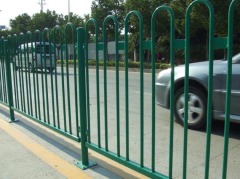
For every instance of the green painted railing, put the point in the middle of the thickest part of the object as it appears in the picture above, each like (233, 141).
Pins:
(63, 98)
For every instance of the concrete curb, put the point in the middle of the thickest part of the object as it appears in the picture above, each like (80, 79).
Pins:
(105, 162)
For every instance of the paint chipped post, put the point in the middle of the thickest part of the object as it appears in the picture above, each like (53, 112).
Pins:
(9, 83)
(85, 162)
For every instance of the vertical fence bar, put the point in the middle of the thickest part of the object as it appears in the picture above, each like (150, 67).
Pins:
(97, 78)
(87, 83)
(126, 27)
(57, 28)
(140, 19)
(172, 60)
(20, 73)
(4, 87)
(114, 19)
(105, 82)
(16, 96)
(75, 82)
(3, 69)
(1, 61)
(186, 85)
(67, 71)
(42, 57)
(34, 78)
(153, 26)
(45, 51)
(210, 87)
(229, 85)
(117, 83)
(22, 56)
(9, 78)
(52, 58)
(82, 96)
(63, 92)
(37, 32)
(26, 68)
(30, 70)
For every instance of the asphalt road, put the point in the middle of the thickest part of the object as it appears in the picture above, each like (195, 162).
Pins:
(196, 139)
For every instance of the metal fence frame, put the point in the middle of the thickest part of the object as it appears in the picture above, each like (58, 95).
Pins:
(26, 100)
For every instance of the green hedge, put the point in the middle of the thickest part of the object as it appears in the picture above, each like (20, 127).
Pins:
(121, 64)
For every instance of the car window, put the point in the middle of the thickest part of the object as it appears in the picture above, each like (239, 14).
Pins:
(236, 58)
(40, 49)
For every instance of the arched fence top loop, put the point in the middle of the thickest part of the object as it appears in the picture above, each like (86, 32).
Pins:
(96, 27)
(29, 35)
(107, 19)
(134, 13)
(46, 30)
(208, 4)
(70, 25)
(94, 22)
(45, 33)
(161, 9)
(140, 19)
(57, 28)
(37, 36)
(9, 37)
(154, 16)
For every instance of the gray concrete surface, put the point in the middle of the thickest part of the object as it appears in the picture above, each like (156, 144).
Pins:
(196, 139)
(19, 162)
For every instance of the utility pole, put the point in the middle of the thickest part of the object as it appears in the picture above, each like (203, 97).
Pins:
(69, 16)
(42, 3)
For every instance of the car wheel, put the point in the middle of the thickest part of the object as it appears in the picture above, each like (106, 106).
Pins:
(15, 68)
(197, 109)
(50, 69)
(31, 68)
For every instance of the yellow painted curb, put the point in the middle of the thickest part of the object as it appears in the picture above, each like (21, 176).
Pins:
(65, 168)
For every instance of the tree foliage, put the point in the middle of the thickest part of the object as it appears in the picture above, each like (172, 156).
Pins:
(100, 9)
(22, 23)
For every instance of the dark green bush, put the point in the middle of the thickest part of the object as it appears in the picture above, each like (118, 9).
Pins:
(131, 64)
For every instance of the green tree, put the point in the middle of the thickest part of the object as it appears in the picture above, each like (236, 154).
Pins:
(44, 20)
(22, 23)
(146, 8)
(100, 9)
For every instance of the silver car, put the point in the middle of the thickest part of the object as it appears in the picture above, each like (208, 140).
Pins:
(198, 89)
(35, 56)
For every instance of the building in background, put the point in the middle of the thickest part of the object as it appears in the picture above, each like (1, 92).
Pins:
(3, 27)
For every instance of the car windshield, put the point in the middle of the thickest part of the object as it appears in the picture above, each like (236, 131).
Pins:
(236, 58)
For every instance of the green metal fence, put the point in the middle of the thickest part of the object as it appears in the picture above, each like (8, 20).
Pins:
(78, 102)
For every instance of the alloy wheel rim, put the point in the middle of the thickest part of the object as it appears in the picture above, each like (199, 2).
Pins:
(195, 108)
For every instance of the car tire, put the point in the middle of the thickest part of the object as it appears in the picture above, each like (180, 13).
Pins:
(197, 108)
(50, 69)
(31, 68)
(15, 68)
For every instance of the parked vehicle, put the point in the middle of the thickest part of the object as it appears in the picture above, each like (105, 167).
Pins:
(33, 56)
(198, 91)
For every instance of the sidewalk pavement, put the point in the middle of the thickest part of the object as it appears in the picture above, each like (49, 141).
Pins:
(29, 150)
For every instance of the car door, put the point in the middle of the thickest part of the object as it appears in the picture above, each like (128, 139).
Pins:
(235, 92)
(219, 90)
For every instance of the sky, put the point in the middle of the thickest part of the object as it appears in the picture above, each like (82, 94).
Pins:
(9, 9)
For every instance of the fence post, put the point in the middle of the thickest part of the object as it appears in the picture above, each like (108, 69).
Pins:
(85, 162)
(9, 78)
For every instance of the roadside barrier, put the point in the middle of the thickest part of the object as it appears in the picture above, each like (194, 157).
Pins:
(63, 97)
